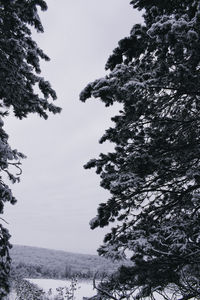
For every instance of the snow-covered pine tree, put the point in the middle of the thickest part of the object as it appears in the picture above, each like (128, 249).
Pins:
(153, 174)
(19, 80)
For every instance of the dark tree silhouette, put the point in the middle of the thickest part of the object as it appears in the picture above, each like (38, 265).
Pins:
(153, 174)
(19, 80)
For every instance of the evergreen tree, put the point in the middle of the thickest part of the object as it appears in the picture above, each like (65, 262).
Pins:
(19, 80)
(153, 174)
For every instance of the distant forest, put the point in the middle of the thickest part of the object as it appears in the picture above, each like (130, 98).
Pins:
(33, 262)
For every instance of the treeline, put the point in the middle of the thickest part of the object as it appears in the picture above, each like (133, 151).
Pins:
(32, 262)
(24, 270)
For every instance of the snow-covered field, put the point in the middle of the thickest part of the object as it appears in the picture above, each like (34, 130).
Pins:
(84, 288)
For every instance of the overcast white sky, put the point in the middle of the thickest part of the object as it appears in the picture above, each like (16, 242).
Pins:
(56, 196)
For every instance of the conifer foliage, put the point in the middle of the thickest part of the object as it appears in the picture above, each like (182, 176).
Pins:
(153, 174)
(19, 80)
